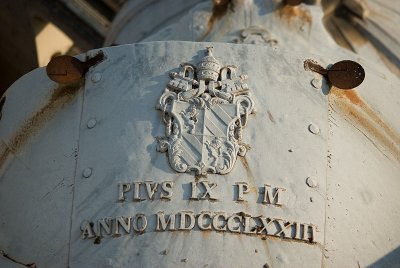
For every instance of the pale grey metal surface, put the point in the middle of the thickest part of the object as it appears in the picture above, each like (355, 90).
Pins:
(363, 175)
(122, 148)
(39, 138)
(335, 153)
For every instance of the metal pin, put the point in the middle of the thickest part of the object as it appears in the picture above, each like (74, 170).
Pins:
(346, 74)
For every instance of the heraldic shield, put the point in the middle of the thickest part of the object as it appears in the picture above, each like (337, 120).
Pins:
(205, 109)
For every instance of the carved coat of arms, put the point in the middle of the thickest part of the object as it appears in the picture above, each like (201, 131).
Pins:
(204, 109)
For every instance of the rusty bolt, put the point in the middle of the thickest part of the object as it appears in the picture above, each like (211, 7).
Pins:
(346, 74)
(67, 69)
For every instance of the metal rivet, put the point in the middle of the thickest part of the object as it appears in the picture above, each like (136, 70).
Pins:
(199, 27)
(317, 83)
(96, 77)
(87, 172)
(109, 262)
(91, 123)
(311, 182)
(314, 129)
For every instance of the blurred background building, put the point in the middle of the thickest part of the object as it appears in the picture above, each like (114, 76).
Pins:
(34, 31)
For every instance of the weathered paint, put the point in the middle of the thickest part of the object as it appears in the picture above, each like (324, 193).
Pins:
(220, 8)
(366, 120)
(289, 13)
(58, 98)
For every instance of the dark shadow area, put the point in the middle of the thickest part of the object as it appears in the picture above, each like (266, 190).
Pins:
(392, 259)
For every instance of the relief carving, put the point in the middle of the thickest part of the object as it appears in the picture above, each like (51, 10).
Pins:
(204, 109)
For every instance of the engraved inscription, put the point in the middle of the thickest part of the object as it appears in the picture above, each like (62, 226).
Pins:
(271, 195)
(204, 221)
(243, 188)
(146, 190)
(208, 192)
(239, 223)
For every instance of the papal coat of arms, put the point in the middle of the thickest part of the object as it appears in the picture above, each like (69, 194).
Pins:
(204, 109)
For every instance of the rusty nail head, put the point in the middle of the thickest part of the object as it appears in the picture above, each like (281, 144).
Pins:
(67, 69)
(346, 74)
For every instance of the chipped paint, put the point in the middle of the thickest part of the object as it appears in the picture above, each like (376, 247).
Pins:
(358, 113)
(60, 96)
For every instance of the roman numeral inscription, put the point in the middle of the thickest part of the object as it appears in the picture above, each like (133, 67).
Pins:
(205, 221)
(185, 221)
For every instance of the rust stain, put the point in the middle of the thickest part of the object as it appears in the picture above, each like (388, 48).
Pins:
(288, 13)
(245, 163)
(250, 176)
(271, 117)
(60, 96)
(366, 120)
(198, 177)
(220, 8)
(206, 233)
